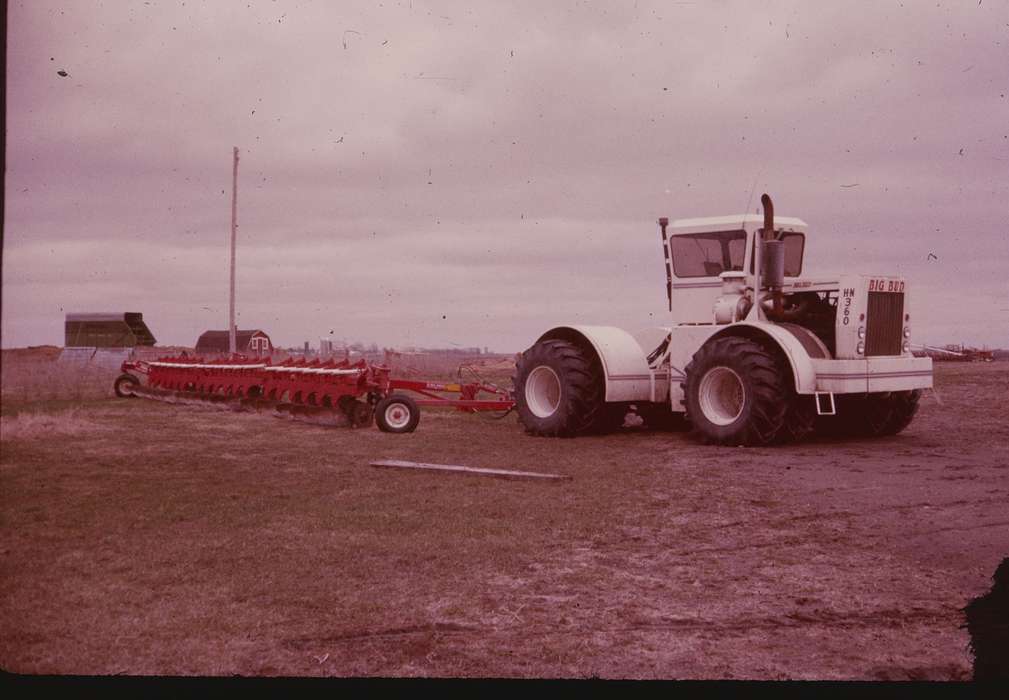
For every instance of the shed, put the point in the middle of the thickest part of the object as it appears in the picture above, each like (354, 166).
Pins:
(256, 342)
(107, 330)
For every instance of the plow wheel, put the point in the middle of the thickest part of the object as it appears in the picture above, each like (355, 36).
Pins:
(125, 384)
(397, 413)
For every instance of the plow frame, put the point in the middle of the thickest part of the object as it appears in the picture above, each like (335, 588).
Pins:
(467, 401)
(300, 386)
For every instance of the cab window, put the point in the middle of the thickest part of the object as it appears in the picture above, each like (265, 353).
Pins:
(707, 254)
(794, 245)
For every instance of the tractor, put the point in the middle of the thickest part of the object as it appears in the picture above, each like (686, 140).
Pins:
(756, 354)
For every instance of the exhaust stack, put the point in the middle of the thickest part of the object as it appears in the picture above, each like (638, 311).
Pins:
(768, 205)
(772, 256)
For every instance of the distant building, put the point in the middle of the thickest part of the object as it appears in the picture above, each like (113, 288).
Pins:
(330, 348)
(107, 330)
(251, 342)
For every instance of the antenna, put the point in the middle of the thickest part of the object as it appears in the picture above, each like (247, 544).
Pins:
(234, 227)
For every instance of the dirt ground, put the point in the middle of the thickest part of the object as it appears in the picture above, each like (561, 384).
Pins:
(144, 538)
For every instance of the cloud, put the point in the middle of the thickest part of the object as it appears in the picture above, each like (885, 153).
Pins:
(498, 165)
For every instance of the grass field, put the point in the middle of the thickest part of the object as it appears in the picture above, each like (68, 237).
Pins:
(145, 538)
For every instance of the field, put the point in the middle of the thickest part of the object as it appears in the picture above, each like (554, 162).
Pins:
(145, 538)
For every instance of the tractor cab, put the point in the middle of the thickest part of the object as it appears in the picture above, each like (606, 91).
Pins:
(704, 255)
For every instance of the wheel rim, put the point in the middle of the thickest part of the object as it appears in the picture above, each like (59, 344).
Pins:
(397, 415)
(126, 387)
(722, 396)
(543, 391)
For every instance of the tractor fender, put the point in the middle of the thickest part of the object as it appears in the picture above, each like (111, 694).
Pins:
(624, 362)
(799, 345)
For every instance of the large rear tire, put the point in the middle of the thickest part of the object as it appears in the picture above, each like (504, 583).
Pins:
(559, 391)
(736, 393)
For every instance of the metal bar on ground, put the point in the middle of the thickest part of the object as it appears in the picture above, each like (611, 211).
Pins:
(473, 471)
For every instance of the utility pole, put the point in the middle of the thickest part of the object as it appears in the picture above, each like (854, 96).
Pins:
(234, 227)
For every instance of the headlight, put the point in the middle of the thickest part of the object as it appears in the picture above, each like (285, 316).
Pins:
(907, 346)
(861, 348)
(907, 332)
(861, 332)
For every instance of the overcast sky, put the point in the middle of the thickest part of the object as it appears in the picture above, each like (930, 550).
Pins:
(473, 173)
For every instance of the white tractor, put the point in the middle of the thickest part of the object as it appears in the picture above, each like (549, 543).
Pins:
(757, 354)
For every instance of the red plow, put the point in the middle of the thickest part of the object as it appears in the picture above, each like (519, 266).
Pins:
(327, 393)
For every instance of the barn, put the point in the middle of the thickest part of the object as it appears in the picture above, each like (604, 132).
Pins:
(120, 329)
(247, 342)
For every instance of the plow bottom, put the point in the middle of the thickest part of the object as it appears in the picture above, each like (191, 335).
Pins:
(314, 415)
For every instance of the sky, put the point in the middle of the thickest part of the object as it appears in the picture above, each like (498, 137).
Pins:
(474, 173)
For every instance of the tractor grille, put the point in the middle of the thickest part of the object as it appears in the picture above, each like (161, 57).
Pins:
(884, 323)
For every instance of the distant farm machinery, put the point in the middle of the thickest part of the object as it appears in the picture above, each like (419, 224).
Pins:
(327, 393)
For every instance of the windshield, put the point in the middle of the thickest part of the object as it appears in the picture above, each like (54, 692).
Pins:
(708, 254)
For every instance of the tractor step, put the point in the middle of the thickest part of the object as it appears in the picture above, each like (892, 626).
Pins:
(825, 405)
